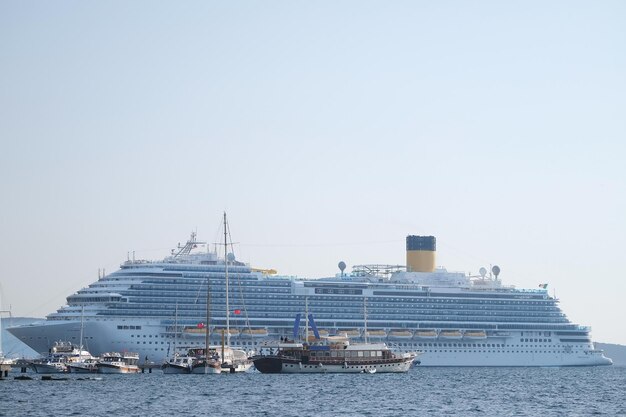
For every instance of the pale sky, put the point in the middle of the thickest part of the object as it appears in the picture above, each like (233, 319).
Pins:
(327, 130)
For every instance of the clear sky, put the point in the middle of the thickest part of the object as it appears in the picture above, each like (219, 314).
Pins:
(327, 130)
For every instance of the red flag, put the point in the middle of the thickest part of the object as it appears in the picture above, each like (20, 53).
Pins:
(237, 311)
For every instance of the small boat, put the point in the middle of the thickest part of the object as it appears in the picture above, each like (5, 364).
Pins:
(179, 364)
(475, 334)
(400, 334)
(333, 354)
(83, 366)
(426, 334)
(236, 360)
(118, 363)
(60, 355)
(450, 334)
(206, 363)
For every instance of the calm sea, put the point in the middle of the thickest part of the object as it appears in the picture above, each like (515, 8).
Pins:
(422, 391)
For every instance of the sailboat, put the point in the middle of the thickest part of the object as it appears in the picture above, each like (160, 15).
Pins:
(206, 361)
(233, 360)
(85, 362)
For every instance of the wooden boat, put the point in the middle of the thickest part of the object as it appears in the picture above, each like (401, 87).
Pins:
(332, 354)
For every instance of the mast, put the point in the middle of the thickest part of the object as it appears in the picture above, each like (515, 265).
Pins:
(175, 327)
(306, 319)
(82, 313)
(365, 318)
(226, 275)
(206, 327)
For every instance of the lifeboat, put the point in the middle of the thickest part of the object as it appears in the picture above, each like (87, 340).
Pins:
(426, 334)
(376, 334)
(401, 334)
(219, 331)
(450, 334)
(352, 333)
(261, 332)
(475, 334)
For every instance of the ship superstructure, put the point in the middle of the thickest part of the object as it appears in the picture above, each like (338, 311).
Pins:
(454, 319)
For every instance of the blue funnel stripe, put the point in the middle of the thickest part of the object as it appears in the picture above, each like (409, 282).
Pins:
(314, 327)
(296, 327)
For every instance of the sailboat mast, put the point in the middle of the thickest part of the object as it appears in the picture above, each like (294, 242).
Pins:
(226, 275)
(207, 328)
(306, 319)
(365, 318)
(175, 327)
(82, 313)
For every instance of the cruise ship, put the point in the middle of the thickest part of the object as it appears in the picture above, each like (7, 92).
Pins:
(454, 319)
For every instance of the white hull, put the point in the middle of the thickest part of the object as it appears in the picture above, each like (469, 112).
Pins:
(175, 370)
(208, 370)
(240, 367)
(118, 369)
(43, 368)
(510, 352)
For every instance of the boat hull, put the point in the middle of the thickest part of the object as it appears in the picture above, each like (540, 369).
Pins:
(170, 369)
(277, 365)
(44, 368)
(114, 369)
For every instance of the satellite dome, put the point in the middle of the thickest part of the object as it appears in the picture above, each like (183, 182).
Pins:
(230, 257)
(496, 270)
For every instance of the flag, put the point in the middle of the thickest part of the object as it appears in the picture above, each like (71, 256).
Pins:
(237, 311)
(543, 285)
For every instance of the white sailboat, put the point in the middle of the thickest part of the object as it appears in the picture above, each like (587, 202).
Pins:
(233, 360)
(208, 362)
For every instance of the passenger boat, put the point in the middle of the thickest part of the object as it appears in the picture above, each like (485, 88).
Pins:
(118, 363)
(332, 354)
(525, 327)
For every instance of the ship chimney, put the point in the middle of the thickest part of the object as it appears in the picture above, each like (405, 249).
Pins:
(420, 253)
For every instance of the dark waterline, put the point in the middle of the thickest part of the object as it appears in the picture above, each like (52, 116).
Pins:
(584, 391)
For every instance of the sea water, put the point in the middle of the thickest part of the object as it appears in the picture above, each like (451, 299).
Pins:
(584, 391)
